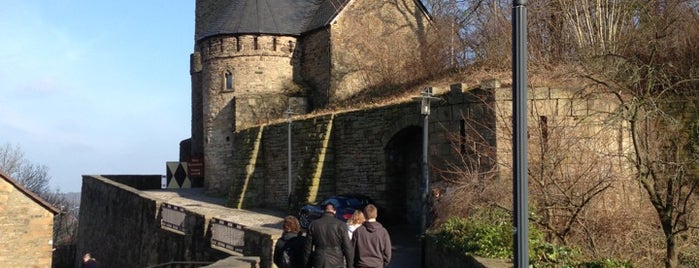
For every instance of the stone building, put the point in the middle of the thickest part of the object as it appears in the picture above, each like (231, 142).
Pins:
(26, 224)
(253, 60)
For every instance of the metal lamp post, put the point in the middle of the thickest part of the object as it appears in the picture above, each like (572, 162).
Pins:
(425, 99)
(288, 114)
(519, 145)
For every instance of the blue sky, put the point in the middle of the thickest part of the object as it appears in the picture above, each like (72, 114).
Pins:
(95, 87)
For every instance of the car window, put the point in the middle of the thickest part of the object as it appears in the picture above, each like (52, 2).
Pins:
(336, 203)
(353, 202)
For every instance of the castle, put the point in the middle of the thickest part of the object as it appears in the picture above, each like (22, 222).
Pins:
(255, 60)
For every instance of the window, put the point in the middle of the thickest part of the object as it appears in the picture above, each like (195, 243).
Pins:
(544, 126)
(229, 81)
(462, 132)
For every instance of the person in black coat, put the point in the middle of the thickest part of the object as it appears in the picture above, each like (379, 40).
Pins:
(288, 252)
(327, 242)
(89, 261)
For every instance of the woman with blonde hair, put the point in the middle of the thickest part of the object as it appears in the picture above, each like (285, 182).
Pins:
(354, 222)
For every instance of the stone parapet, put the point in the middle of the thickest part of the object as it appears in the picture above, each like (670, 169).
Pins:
(121, 226)
(247, 45)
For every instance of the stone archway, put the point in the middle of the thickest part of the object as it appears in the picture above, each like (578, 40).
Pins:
(403, 193)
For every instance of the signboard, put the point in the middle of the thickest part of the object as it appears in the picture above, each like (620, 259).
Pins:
(172, 218)
(227, 235)
(196, 167)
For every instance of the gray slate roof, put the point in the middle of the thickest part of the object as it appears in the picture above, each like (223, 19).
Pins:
(276, 17)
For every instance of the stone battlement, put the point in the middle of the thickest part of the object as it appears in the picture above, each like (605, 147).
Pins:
(247, 45)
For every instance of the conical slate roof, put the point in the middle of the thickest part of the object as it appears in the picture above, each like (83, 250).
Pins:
(277, 17)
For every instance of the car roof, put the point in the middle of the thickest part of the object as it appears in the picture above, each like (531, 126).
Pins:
(347, 196)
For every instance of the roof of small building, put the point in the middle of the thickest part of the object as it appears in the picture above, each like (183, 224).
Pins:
(276, 17)
(29, 193)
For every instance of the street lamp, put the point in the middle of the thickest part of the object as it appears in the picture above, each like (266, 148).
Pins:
(288, 114)
(425, 99)
(519, 125)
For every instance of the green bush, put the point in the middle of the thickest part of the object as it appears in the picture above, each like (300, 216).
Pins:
(490, 235)
(605, 263)
(481, 237)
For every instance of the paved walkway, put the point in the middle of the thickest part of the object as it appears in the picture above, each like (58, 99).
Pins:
(406, 244)
(407, 252)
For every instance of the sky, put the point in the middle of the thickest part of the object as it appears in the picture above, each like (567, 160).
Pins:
(95, 87)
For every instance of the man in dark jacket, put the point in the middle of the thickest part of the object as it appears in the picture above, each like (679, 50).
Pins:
(88, 261)
(371, 242)
(328, 242)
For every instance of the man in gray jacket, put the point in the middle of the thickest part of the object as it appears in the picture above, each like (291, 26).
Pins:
(371, 242)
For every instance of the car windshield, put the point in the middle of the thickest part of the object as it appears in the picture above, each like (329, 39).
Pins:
(345, 202)
(353, 202)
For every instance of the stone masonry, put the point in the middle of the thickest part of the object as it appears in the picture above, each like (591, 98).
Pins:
(243, 79)
(120, 223)
(26, 223)
(351, 152)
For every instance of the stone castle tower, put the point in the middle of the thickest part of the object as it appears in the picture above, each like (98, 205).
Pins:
(254, 59)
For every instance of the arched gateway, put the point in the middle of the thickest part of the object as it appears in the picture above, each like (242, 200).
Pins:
(403, 157)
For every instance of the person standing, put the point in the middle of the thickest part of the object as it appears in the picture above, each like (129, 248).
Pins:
(327, 242)
(89, 261)
(354, 222)
(288, 252)
(371, 242)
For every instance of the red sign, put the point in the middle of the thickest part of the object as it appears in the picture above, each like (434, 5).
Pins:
(196, 167)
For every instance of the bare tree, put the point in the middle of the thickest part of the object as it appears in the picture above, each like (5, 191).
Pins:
(36, 179)
(654, 78)
(571, 165)
(641, 52)
(32, 176)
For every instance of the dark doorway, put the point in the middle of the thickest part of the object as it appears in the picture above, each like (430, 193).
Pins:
(403, 187)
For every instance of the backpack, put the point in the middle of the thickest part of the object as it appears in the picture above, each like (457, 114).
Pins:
(291, 253)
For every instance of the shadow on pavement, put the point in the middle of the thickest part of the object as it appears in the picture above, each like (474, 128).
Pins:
(407, 252)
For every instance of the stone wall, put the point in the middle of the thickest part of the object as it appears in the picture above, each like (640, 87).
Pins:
(329, 65)
(337, 153)
(355, 151)
(242, 81)
(314, 49)
(376, 43)
(27, 229)
(437, 255)
(120, 225)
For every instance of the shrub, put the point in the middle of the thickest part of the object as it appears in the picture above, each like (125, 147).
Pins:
(490, 234)
(478, 236)
(605, 263)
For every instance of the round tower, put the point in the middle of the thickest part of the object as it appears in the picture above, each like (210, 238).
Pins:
(245, 80)
(242, 72)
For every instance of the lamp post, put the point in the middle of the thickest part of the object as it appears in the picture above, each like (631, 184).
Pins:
(425, 99)
(288, 114)
(519, 144)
